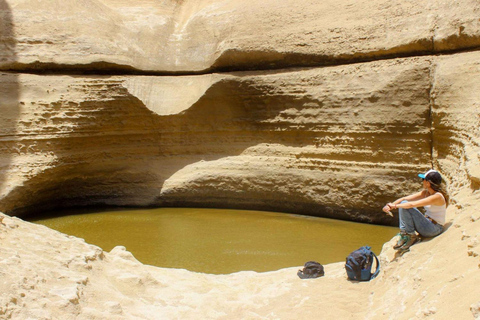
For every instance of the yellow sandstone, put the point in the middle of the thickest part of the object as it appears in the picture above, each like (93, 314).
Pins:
(325, 108)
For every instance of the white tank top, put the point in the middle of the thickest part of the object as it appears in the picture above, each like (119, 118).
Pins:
(437, 213)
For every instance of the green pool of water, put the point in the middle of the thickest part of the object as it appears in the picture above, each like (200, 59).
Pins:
(220, 241)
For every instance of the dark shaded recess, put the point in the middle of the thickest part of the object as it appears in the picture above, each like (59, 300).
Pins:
(234, 60)
(94, 68)
(256, 60)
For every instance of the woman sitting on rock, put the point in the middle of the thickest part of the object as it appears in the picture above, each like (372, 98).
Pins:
(433, 198)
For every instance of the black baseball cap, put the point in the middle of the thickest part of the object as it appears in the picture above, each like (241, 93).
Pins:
(431, 175)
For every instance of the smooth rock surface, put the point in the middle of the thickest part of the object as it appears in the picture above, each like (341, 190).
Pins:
(202, 35)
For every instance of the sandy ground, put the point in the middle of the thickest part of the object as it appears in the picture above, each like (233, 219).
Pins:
(49, 275)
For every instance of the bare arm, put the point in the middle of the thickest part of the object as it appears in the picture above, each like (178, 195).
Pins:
(412, 197)
(435, 199)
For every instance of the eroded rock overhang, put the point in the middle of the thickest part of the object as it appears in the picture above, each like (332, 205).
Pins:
(361, 104)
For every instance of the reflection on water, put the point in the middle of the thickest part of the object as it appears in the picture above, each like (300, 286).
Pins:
(221, 241)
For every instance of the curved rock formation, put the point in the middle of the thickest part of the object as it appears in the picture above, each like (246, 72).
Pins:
(371, 93)
(334, 141)
(318, 141)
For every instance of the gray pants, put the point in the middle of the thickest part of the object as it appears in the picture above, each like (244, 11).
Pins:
(412, 220)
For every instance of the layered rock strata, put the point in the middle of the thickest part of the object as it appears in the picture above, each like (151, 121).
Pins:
(205, 35)
(48, 275)
(456, 119)
(334, 142)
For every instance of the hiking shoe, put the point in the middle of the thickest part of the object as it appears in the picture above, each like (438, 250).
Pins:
(411, 240)
(401, 240)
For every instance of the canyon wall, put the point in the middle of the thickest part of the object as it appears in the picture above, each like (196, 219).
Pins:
(327, 109)
(205, 35)
(327, 141)
(323, 111)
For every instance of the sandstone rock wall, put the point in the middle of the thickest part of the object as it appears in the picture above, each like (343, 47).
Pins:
(202, 35)
(334, 141)
(456, 119)
(100, 123)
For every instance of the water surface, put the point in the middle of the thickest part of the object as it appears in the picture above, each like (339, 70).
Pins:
(221, 241)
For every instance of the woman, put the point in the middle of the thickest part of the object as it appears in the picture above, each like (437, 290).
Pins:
(433, 198)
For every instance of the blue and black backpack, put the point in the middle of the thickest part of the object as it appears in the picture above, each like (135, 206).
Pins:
(359, 264)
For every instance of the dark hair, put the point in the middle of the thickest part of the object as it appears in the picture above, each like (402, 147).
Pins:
(436, 184)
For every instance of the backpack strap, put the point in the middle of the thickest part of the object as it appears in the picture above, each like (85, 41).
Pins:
(377, 271)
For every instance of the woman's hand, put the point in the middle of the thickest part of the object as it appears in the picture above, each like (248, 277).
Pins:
(386, 208)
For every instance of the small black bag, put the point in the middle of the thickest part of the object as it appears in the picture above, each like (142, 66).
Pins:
(359, 264)
(312, 269)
